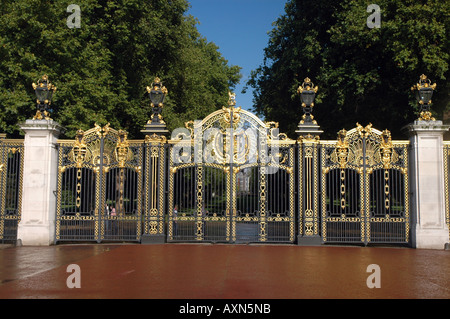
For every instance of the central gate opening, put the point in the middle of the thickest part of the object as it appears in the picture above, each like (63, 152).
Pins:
(231, 180)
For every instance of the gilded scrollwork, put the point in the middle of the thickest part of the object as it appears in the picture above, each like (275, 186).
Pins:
(123, 153)
(376, 159)
(231, 116)
(155, 139)
(80, 152)
(11, 176)
(85, 164)
(232, 142)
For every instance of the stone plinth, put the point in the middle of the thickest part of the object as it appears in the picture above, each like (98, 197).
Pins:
(37, 224)
(429, 228)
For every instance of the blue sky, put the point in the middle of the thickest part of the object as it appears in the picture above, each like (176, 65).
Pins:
(239, 28)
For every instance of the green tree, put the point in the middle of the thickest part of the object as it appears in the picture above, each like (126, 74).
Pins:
(102, 68)
(364, 74)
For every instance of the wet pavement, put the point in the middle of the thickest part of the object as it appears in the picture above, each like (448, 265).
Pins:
(201, 271)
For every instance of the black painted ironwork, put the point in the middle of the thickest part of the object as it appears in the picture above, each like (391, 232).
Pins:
(365, 188)
(11, 180)
(99, 194)
(231, 180)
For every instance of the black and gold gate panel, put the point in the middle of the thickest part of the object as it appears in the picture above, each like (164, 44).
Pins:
(11, 179)
(99, 193)
(154, 185)
(279, 188)
(365, 188)
(231, 180)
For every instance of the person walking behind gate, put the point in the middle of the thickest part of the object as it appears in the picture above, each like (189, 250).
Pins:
(175, 219)
(113, 222)
(108, 222)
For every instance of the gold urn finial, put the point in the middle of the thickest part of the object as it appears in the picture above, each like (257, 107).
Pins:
(424, 91)
(44, 91)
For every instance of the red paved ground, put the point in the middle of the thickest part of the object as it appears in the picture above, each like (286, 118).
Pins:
(178, 271)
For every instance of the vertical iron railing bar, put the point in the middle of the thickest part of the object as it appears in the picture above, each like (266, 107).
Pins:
(100, 189)
(3, 162)
(363, 211)
(233, 188)
(161, 188)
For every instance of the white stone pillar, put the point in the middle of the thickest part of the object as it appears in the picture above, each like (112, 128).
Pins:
(37, 224)
(429, 228)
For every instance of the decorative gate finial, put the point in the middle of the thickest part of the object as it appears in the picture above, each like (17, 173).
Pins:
(156, 93)
(308, 127)
(307, 93)
(424, 91)
(44, 91)
(231, 99)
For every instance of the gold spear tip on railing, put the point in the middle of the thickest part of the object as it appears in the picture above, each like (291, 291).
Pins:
(231, 99)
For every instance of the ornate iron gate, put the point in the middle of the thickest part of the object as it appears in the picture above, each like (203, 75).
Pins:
(99, 193)
(231, 179)
(365, 188)
(11, 179)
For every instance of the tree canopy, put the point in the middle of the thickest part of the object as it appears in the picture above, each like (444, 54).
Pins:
(101, 69)
(364, 74)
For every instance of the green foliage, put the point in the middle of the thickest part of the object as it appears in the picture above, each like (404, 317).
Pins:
(101, 69)
(364, 75)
